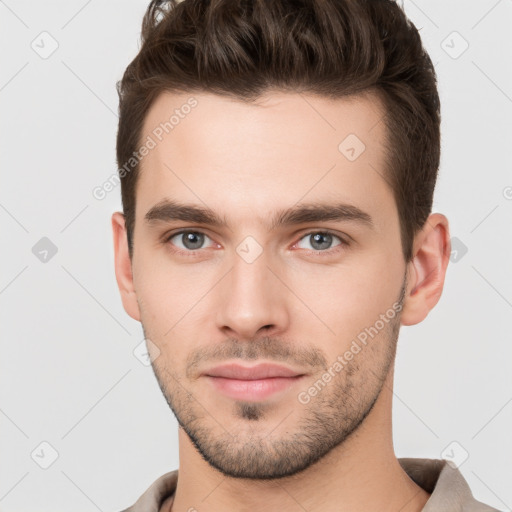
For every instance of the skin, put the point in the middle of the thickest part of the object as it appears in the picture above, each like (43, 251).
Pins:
(300, 303)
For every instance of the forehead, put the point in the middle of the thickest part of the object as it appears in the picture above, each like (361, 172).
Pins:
(210, 149)
(219, 118)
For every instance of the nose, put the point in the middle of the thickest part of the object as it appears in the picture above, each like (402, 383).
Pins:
(252, 299)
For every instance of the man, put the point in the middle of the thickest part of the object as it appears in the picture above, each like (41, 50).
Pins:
(278, 162)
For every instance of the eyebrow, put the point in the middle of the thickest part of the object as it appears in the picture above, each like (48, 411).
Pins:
(170, 210)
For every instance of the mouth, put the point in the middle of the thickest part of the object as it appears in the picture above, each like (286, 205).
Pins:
(252, 383)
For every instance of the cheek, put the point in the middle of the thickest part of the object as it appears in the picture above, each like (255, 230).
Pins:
(172, 306)
(162, 298)
(164, 283)
(347, 298)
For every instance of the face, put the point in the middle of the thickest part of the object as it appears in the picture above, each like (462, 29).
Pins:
(303, 268)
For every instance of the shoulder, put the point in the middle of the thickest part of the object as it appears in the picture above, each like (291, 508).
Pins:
(157, 494)
(447, 486)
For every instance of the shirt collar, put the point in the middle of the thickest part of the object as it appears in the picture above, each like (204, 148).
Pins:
(444, 482)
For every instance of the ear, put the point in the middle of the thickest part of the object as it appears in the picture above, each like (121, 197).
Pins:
(427, 269)
(123, 266)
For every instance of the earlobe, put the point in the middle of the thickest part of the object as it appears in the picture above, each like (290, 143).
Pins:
(427, 269)
(123, 266)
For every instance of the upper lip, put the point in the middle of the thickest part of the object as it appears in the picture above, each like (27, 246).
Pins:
(260, 371)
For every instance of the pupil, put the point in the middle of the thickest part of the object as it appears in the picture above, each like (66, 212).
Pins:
(189, 239)
(319, 236)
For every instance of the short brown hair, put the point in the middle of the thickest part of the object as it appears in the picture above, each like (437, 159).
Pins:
(333, 48)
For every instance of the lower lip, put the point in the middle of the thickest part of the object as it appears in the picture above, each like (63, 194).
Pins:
(252, 389)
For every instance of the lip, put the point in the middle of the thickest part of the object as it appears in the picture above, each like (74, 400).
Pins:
(252, 383)
(253, 390)
(258, 372)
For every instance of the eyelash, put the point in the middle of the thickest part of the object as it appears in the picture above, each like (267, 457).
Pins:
(328, 252)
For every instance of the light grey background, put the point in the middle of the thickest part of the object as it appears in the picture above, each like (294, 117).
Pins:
(68, 372)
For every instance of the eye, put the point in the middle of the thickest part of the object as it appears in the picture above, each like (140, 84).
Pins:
(321, 241)
(190, 240)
